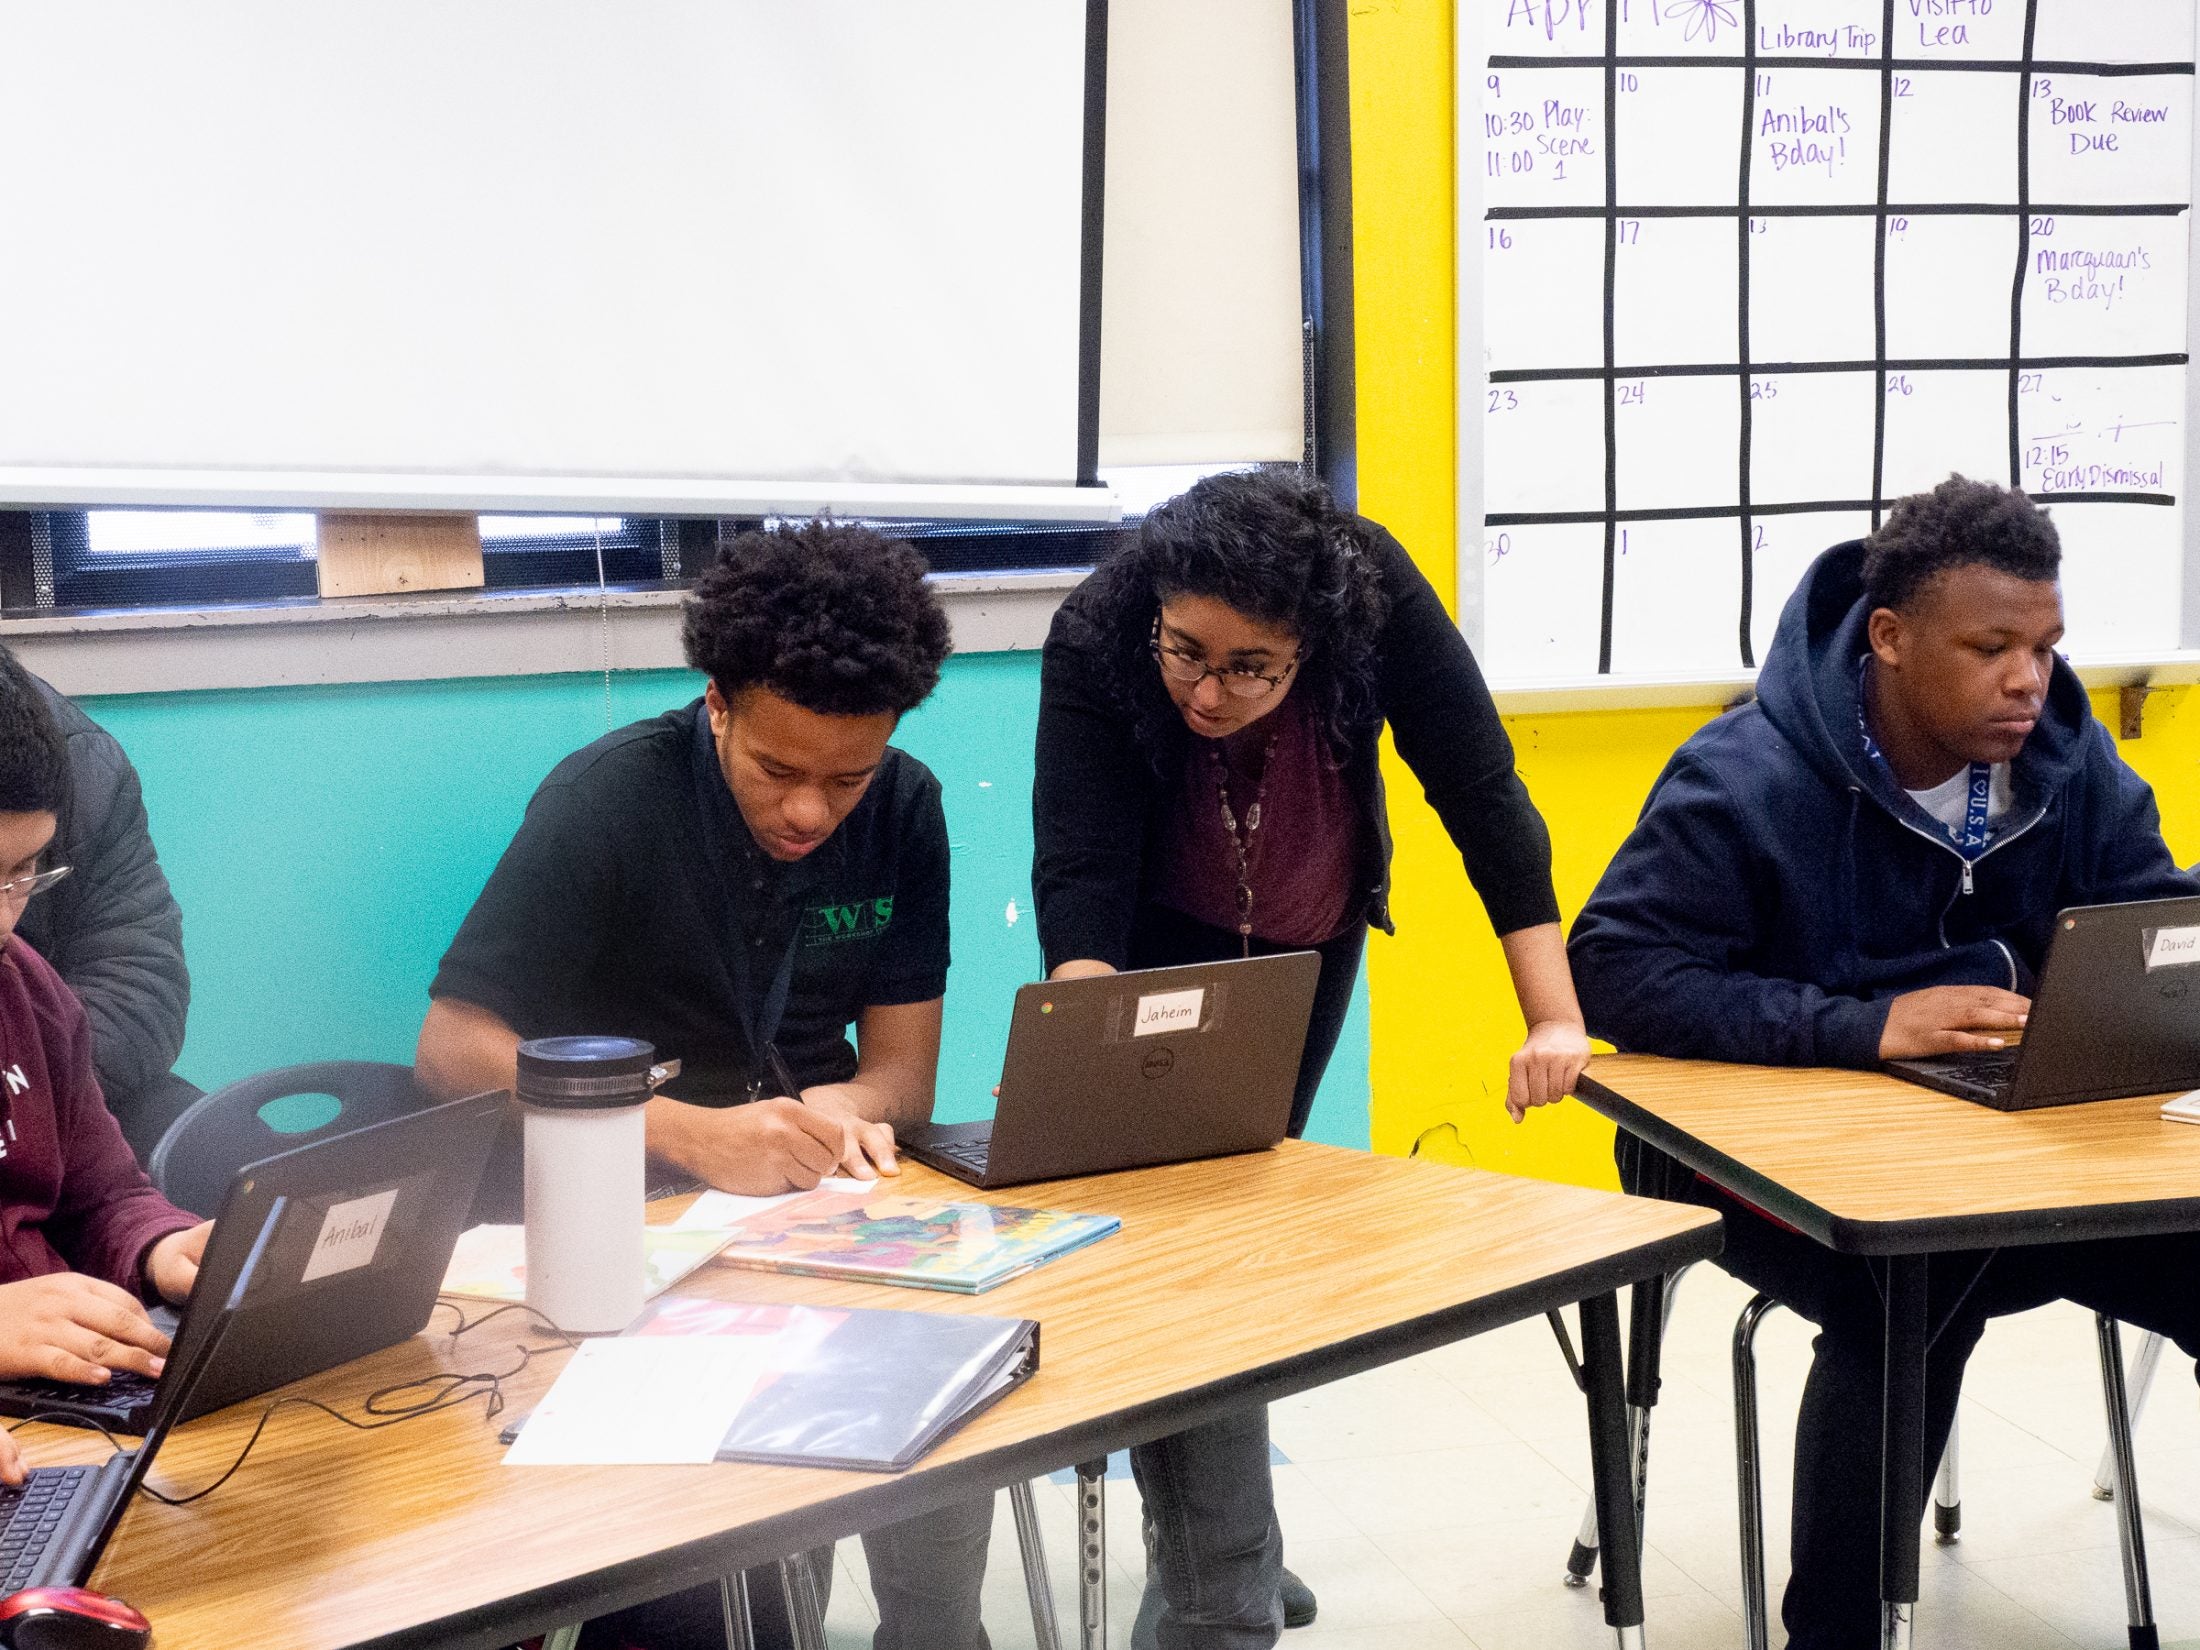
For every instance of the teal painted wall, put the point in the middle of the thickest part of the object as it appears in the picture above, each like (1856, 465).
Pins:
(325, 842)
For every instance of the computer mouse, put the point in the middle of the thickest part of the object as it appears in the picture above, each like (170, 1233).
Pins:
(70, 1618)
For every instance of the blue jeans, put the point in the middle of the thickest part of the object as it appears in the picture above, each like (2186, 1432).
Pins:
(927, 1573)
(1214, 1552)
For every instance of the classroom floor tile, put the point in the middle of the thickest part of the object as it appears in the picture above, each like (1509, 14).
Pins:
(1431, 1504)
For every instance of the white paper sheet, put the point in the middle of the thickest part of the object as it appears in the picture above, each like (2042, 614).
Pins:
(645, 1400)
(717, 1211)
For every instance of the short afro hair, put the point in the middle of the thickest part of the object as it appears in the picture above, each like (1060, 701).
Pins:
(835, 618)
(1960, 523)
(34, 756)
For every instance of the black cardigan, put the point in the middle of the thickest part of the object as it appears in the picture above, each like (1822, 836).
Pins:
(1097, 802)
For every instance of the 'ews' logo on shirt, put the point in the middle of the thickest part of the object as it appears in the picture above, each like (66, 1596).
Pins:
(861, 919)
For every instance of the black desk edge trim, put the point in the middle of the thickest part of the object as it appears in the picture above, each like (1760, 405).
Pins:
(2012, 1229)
(889, 1498)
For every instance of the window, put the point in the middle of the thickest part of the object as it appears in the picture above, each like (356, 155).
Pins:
(78, 559)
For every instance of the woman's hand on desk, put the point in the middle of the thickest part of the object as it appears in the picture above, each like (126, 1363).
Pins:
(1546, 1067)
(68, 1327)
(1951, 1019)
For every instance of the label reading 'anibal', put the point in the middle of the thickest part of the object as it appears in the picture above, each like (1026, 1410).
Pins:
(350, 1234)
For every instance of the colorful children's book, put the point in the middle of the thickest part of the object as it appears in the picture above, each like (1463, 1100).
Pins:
(878, 1236)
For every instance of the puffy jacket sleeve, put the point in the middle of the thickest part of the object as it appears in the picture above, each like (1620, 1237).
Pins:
(115, 933)
(1449, 734)
(1660, 953)
(1090, 785)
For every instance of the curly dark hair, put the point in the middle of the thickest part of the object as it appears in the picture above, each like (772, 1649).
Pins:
(834, 617)
(34, 756)
(1273, 545)
(1960, 523)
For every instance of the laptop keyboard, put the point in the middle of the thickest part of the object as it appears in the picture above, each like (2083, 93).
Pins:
(971, 1154)
(126, 1394)
(1994, 1065)
(33, 1513)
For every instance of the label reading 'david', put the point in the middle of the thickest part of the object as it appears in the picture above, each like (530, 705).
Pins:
(2172, 947)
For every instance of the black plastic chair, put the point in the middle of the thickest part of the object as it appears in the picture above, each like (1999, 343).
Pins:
(247, 1120)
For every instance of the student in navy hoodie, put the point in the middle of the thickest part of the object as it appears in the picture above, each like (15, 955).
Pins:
(85, 1240)
(1865, 864)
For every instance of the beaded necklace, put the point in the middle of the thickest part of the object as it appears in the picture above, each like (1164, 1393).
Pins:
(1242, 841)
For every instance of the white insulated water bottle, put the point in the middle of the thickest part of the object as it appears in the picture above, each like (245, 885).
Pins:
(582, 1099)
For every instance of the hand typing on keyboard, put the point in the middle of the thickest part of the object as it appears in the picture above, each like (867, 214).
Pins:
(68, 1327)
(1951, 1019)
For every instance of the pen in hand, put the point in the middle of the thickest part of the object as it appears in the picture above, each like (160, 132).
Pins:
(776, 1063)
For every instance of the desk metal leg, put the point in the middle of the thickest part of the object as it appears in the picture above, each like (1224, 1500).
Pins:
(1948, 1489)
(805, 1621)
(1749, 1475)
(2138, 1595)
(2142, 1383)
(733, 1610)
(1045, 1631)
(1092, 1555)
(1642, 1393)
(1902, 1443)
(1620, 1553)
(1583, 1558)
(562, 1638)
(1647, 1310)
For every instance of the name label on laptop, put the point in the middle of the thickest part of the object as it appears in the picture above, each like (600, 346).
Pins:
(2172, 947)
(350, 1234)
(1161, 1011)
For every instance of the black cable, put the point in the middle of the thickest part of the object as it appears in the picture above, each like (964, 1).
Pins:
(446, 1390)
(487, 1390)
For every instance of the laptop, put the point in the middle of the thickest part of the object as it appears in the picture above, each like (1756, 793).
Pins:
(371, 1217)
(2117, 1012)
(54, 1528)
(1121, 1071)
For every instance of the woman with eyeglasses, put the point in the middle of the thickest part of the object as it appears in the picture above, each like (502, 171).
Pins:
(1211, 702)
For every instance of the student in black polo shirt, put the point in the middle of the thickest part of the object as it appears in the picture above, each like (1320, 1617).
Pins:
(757, 869)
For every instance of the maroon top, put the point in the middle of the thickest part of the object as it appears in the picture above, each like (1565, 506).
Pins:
(1302, 855)
(72, 1197)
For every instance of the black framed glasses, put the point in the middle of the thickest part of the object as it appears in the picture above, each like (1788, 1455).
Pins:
(1189, 670)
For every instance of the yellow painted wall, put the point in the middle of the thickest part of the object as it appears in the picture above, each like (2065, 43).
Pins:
(1443, 1017)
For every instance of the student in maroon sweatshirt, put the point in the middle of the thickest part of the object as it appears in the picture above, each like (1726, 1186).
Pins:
(85, 1240)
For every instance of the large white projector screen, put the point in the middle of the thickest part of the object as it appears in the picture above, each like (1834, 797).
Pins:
(642, 255)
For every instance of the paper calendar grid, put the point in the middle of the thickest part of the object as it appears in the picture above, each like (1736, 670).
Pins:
(1753, 268)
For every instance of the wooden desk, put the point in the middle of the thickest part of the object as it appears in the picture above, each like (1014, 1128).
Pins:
(1867, 1164)
(1836, 1154)
(1232, 1282)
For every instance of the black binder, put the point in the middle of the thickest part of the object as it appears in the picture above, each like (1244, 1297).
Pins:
(858, 1387)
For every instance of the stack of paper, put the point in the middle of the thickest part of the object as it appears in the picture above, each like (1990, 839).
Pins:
(490, 1262)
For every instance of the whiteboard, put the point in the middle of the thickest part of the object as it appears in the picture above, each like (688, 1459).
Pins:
(591, 255)
(1734, 274)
